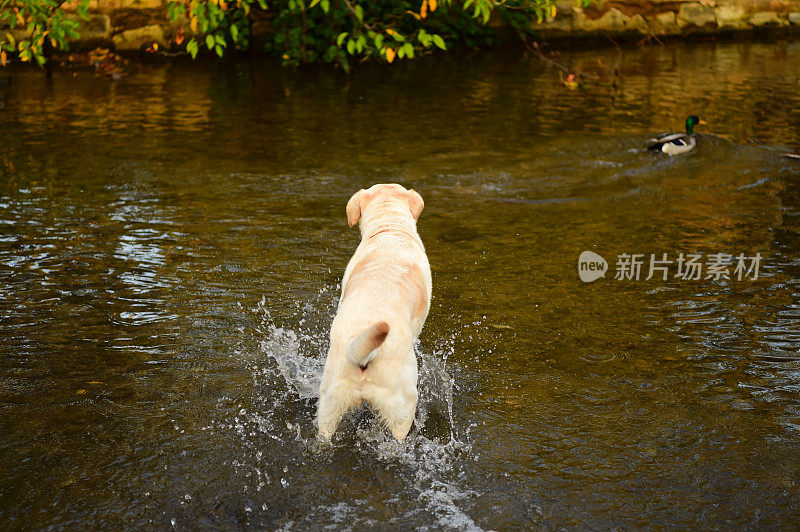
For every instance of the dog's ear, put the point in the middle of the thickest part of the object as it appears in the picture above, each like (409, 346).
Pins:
(415, 203)
(354, 208)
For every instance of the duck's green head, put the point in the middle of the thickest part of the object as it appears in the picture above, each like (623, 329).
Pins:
(690, 123)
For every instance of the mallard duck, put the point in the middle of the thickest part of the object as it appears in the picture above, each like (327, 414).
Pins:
(675, 143)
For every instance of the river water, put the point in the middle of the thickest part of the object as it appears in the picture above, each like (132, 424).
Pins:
(171, 245)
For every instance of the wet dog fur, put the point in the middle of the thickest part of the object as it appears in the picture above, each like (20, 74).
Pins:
(386, 293)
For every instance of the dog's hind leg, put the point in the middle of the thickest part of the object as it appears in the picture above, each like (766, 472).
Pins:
(332, 406)
(396, 410)
(403, 413)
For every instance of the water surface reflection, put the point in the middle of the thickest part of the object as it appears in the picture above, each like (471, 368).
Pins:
(171, 244)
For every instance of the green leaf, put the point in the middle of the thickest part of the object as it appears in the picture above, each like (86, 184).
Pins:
(326, 5)
(192, 48)
(351, 47)
(378, 41)
(343, 62)
(340, 39)
(409, 48)
(234, 32)
(210, 41)
(313, 3)
(330, 53)
(220, 40)
(438, 41)
(424, 38)
(219, 50)
(359, 13)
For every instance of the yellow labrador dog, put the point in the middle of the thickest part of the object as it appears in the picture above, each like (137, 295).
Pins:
(386, 294)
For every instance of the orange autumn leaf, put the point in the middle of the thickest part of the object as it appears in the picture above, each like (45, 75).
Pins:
(431, 5)
(423, 11)
(3, 58)
(390, 53)
(553, 11)
(193, 24)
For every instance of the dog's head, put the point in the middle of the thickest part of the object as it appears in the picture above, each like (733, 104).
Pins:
(383, 193)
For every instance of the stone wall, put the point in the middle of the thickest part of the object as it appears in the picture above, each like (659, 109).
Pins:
(132, 25)
(126, 25)
(669, 17)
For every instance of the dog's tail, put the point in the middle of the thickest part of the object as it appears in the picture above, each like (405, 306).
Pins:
(361, 348)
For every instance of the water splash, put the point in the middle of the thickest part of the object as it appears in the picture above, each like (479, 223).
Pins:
(287, 368)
